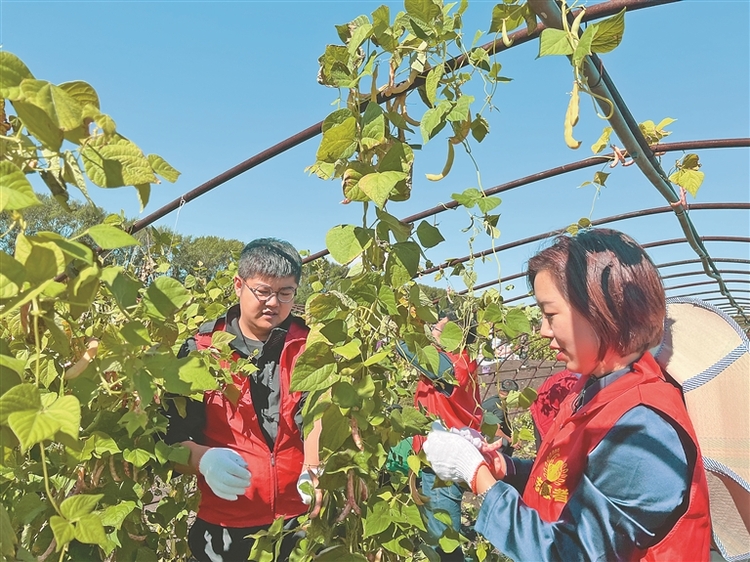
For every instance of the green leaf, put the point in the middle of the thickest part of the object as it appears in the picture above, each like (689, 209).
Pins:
(75, 507)
(527, 397)
(433, 81)
(10, 363)
(600, 178)
(318, 379)
(89, 530)
(410, 514)
(33, 426)
(30, 427)
(334, 68)
(350, 351)
(376, 358)
(486, 204)
(373, 126)
(479, 128)
(407, 254)
(123, 287)
(401, 231)
(433, 120)
(339, 142)
(12, 72)
(136, 334)
(8, 539)
(20, 397)
(460, 111)
(39, 125)
(429, 236)
(451, 337)
(221, 340)
(424, 10)
(139, 457)
(379, 185)
(98, 444)
(15, 190)
(12, 275)
(63, 531)
(144, 194)
(554, 42)
(62, 109)
(583, 48)
(66, 412)
(110, 237)
(690, 180)
(162, 167)
(359, 36)
(82, 92)
(315, 368)
(164, 297)
(377, 519)
(114, 515)
(116, 164)
(75, 250)
(516, 323)
(468, 198)
(43, 260)
(195, 376)
(344, 395)
(602, 141)
(608, 33)
(345, 242)
(513, 14)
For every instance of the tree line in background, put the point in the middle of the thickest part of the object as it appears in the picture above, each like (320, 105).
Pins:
(198, 256)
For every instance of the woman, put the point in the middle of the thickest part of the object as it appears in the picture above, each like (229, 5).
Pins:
(618, 476)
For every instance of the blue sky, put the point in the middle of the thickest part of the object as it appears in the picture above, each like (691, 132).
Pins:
(208, 84)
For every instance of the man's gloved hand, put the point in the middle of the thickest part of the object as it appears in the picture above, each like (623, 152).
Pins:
(311, 483)
(452, 457)
(225, 472)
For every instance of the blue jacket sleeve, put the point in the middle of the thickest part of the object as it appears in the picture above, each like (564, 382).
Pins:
(634, 488)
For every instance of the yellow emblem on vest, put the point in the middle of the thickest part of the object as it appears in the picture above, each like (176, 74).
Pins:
(554, 473)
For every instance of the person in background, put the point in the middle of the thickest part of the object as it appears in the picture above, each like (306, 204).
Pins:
(619, 474)
(249, 453)
(456, 404)
(497, 406)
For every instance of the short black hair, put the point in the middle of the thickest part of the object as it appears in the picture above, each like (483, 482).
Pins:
(508, 385)
(270, 257)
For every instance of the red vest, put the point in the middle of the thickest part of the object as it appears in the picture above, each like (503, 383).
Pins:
(273, 486)
(462, 408)
(561, 460)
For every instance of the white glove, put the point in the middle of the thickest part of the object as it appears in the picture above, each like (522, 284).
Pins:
(472, 436)
(452, 457)
(225, 472)
(306, 478)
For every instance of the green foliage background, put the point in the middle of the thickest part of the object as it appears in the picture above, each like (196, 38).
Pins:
(91, 317)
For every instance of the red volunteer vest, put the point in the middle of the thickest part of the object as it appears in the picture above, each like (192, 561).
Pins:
(462, 408)
(561, 460)
(273, 486)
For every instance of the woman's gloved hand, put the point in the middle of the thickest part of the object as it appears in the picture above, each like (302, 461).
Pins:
(490, 451)
(225, 472)
(452, 457)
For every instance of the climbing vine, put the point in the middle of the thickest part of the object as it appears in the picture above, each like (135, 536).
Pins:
(88, 350)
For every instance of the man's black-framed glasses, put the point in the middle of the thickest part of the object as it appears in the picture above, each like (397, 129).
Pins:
(263, 293)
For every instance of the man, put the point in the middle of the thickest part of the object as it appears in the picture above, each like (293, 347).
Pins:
(249, 453)
(496, 405)
(457, 405)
